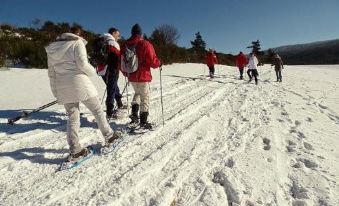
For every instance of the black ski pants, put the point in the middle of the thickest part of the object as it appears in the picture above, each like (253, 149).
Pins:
(241, 71)
(253, 73)
(211, 68)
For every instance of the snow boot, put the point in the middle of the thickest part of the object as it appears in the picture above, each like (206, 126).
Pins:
(116, 135)
(83, 153)
(134, 116)
(109, 110)
(119, 103)
(143, 121)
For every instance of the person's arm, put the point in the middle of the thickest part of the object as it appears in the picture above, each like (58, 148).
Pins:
(113, 58)
(215, 59)
(81, 59)
(52, 77)
(256, 62)
(152, 59)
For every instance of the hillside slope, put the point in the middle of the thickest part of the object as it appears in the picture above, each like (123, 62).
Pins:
(225, 142)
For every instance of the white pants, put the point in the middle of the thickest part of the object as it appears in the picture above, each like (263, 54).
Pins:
(141, 95)
(73, 122)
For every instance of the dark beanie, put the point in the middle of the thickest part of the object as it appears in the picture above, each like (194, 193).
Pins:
(136, 30)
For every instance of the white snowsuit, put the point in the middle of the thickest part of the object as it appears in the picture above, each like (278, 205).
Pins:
(69, 71)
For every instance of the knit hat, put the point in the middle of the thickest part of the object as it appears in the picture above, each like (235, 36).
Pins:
(136, 30)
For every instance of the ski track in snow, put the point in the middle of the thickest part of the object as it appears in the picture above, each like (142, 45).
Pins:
(225, 142)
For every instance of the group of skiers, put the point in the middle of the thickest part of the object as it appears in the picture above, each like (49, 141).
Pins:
(252, 63)
(241, 61)
(69, 72)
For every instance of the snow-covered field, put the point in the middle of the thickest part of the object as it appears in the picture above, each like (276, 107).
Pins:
(225, 142)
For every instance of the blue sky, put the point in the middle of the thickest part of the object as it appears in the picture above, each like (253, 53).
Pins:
(226, 25)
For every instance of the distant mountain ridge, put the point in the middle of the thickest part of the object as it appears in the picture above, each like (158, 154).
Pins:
(321, 52)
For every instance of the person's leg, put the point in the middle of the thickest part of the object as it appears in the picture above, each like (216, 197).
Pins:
(144, 105)
(241, 70)
(110, 94)
(144, 97)
(277, 74)
(255, 74)
(117, 94)
(73, 126)
(213, 70)
(210, 70)
(135, 103)
(280, 77)
(93, 105)
(249, 74)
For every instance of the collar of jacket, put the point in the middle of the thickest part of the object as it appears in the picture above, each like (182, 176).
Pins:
(70, 37)
(134, 39)
(108, 36)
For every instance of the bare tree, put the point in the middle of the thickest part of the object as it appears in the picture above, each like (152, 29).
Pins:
(165, 34)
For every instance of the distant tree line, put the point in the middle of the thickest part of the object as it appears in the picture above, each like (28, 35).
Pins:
(25, 46)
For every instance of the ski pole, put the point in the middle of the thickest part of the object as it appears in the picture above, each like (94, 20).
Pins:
(103, 96)
(106, 82)
(162, 105)
(127, 82)
(26, 114)
(123, 91)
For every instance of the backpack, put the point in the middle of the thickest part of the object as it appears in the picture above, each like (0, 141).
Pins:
(129, 59)
(100, 54)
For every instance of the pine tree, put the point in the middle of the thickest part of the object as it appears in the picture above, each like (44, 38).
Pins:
(256, 47)
(198, 45)
(256, 50)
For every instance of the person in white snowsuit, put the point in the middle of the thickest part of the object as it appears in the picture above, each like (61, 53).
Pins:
(69, 72)
(252, 68)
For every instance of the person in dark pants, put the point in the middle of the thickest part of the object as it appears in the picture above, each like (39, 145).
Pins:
(210, 60)
(111, 76)
(278, 66)
(241, 62)
(252, 68)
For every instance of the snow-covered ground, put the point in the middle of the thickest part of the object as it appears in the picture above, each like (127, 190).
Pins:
(225, 142)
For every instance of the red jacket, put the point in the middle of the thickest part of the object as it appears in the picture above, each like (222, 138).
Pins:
(147, 59)
(241, 60)
(211, 59)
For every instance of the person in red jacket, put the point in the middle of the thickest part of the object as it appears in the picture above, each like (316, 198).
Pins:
(210, 60)
(141, 78)
(241, 61)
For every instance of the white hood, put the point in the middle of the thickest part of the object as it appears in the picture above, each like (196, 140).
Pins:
(108, 36)
(111, 40)
(57, 49)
